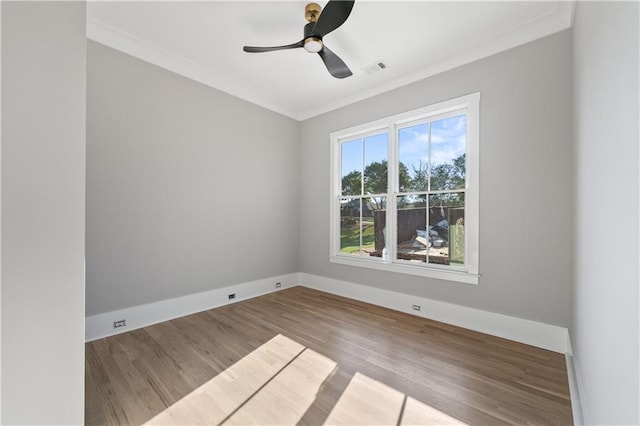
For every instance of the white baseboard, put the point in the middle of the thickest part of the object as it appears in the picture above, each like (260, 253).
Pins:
(576, 389)
(533, 333)
(101, 325)
(574, 392)
(525, 331)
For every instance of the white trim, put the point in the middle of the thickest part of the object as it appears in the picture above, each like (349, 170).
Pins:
(560, 19)
(569, 347)
(407, 268)
(520, 330)
(579, 407)
(574, 392)
(101, 325)
(533, 333)
(468, 104)
(116, 39)
(546, 336)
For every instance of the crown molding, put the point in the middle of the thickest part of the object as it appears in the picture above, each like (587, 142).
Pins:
(111, 37)
(542, 26)
(561, 19)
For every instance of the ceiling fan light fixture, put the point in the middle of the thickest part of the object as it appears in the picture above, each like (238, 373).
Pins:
(321, 22)
(313, 45)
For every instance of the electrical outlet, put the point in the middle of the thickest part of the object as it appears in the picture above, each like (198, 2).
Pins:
(416, 307)
(232, 296)
(278, 285)
(121, 323)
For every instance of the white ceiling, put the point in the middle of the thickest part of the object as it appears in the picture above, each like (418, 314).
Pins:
(203, 40)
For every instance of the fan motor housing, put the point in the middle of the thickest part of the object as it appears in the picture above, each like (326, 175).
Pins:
(312, 43)
(320, 23)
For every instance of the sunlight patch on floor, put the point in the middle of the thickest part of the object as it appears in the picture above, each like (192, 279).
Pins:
(274, 384)
(418, 413)
(366, 401)
(285, 399)
(221, 396)
(278, 382)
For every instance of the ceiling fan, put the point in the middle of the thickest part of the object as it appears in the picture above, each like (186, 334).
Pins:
(320, 23)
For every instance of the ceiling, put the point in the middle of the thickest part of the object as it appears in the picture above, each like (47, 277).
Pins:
(203, 40)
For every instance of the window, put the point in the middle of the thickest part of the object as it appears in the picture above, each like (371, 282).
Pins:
(404, 192)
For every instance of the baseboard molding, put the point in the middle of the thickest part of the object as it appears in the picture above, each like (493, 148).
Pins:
(574, 392)
(576, 389)
(101, 325)
(521, 330)
(533, 333)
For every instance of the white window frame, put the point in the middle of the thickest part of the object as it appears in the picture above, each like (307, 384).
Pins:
(469, 104)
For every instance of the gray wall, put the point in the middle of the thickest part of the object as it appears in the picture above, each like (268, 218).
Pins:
(43, 166)
(525, 182)
(605, 319)
(188, 188)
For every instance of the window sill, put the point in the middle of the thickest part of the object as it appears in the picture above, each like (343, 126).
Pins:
(405, 268)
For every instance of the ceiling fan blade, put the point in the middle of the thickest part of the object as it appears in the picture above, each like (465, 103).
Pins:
(334, 64)
(332, 16)
(253, 49)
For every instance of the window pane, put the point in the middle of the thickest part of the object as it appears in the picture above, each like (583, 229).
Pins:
(362, 234)
(375, 164)
(350, 225)
(373, 225)
(413, 154)
(448, 144)
(351, 161)
(446, 228)
(412, 237)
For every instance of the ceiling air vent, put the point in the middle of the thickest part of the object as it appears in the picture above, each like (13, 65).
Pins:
(375, 67)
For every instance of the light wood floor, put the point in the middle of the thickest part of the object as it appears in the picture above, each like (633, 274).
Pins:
(307, 357)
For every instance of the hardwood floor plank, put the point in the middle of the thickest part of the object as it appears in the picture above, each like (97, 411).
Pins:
(285, 399)
(367, 402)
(417, 413)
(443, 374)
(220, 397)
